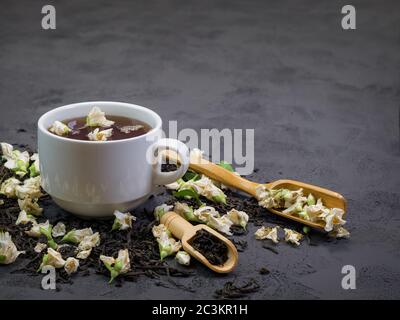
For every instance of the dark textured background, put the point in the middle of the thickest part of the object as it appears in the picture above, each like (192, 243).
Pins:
(324, 104)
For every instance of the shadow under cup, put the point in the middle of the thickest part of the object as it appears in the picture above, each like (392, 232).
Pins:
(93, 178)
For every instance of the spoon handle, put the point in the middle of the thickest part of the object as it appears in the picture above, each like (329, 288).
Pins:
(217, 173)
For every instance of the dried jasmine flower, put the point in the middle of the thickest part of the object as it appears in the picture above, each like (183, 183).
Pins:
(238, 218)
(52, 258)
(8, 251)
(34, 169)
(16, 161)
(30, 189)
(34, 232)
(122, 221)
(339, 233)
(117, 266)
(159, 229)
(160, 210)
(9, 186)
(59, 128)
(183, 258)
(84, 254)
(24, 218)
(97, 118)
(203, 186)
(204, 213)
(127, 129)
(292, 236)
(71, 265)
(267, 233)
(76, 236)
(97, 135)
(295, 203)
(167, 245)
(40, 247)
(58, 230)
(185, 211)
(30, 206)
(89, 242)
(221, 224)
(47, 232)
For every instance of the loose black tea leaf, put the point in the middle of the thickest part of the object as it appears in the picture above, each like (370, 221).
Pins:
(235, 291)
(215, 251)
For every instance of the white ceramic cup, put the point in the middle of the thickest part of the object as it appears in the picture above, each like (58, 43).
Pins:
(93, 178)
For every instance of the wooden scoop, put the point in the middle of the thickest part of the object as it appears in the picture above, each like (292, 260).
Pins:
(185, 231)
(329, 198)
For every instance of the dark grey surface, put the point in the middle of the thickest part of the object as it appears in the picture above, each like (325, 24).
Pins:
(324, 104)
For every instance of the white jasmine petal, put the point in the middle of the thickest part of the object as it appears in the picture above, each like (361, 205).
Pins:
(24, 218)
(122, 221)
(76, 236)
(339, 232)
(238, 218)
(89, 242)
(292, 236)
(204, 213)
(267, 233)
(173, 186)
(183, 258)
(71, 265)
(98, 135)
(53, 258)
(8, 250)
(158, 230)
(107, 260)
(127, 129)
(59, 128)
(9, 186)
(34, 169)
(30, 189)
(84, 254)
(58, 230)
(97, 118)
(161, 209)
(40, 247)
(222, 224)
(35, 230)
(30, 206)
(123, 258)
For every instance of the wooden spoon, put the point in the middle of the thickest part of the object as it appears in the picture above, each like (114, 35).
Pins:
(329, 198)
(185, 231)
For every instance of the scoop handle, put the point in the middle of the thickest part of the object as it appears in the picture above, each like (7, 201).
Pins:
(176, 224)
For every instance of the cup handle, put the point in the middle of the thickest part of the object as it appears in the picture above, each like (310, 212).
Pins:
(162, 178)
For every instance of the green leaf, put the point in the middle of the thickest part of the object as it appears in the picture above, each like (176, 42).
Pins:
(190, 175)
(187, 193)
(226, 165)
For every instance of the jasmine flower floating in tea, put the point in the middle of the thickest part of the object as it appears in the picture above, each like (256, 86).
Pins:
(97, 118)
(98, 135)
(59, 128)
